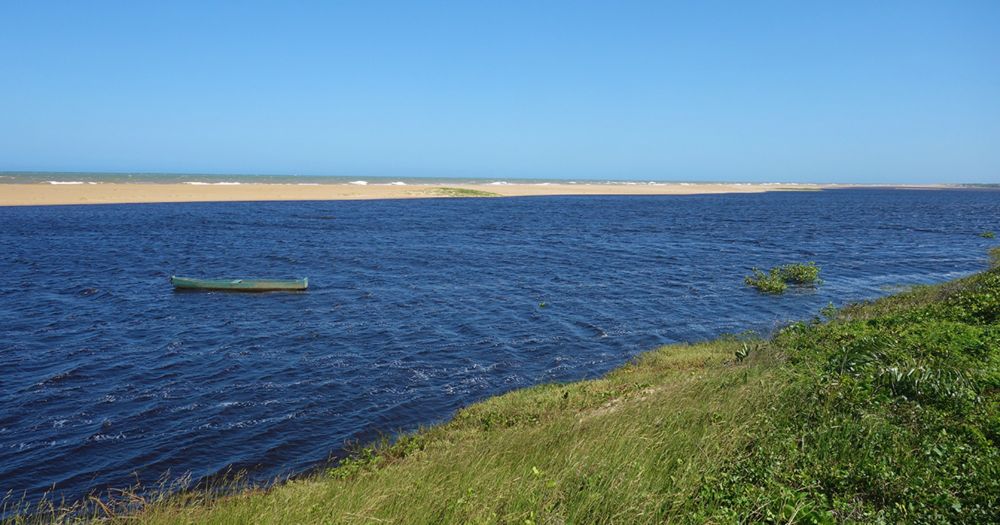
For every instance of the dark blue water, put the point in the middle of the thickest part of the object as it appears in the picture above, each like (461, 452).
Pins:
(417, 308)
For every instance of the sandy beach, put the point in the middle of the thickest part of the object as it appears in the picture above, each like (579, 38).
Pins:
(117, 193)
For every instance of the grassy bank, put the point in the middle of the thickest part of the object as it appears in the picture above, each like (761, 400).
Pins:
(884, 412)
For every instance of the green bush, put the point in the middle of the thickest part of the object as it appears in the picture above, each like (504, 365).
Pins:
(776, 280)
(799, 273)
(771, 282)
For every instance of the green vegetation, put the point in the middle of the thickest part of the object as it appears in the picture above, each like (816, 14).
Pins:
(777, 279)
(888, 412)
(463, 192)
(801, 274)
(771, 282)
(987, 234)
(893, 415)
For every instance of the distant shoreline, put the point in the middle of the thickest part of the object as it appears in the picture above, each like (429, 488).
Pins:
(86, 177)
(70, 192)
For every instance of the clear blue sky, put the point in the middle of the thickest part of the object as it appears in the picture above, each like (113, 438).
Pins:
(868, 91)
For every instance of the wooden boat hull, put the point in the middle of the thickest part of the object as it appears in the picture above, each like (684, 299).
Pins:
(240, 285)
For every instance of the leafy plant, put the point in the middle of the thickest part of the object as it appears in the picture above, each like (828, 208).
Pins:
(799, 273)
(744, 352)
(829, 311)
(771, 282)
(776, 280)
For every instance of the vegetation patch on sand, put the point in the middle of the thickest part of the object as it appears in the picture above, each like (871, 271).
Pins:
(462, 192)
(886, 412)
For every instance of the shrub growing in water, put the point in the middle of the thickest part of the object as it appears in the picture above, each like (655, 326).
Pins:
(770, 282)
(987, 234)
(799, 273)
(777, 279)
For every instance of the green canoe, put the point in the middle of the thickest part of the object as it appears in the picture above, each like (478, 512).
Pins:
(239, 285)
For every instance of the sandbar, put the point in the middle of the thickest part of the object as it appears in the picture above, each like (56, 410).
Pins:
(120, 193)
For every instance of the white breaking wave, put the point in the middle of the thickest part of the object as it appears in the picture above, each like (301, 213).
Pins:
(214, 183)
(359, 182)
(397, 183)
(64, 181)
(499, 183)
(308, 184)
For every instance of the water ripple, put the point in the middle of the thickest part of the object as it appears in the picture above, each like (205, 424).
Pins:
(417, 308)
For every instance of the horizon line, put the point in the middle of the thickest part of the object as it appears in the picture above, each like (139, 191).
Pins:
(514, 178)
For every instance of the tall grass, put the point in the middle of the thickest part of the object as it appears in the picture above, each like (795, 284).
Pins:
(634, 444)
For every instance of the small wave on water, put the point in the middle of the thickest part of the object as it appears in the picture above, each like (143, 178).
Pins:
(415, 309)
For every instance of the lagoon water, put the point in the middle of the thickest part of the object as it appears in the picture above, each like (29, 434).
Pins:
(416, 308)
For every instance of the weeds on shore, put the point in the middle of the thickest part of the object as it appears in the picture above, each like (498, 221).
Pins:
(776, 280)
(633, 443)
(121, 504)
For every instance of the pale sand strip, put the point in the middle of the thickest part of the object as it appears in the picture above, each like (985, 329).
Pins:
(47, 194)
